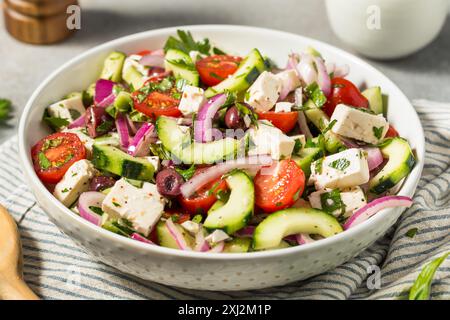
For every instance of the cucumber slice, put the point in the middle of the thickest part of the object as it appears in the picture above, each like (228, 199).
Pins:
(166, 240)
(133, 77)
(401, 162)
(116, 161)
(182, 66)
(249, 69)
(271, 231)
(375, 98)
(316, 115)
(180, 145)
(238, 245)
(306, 157)
(110, 139)
(238, 210)
(112, 67)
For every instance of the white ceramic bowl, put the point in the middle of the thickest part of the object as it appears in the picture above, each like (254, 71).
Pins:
(214, 271)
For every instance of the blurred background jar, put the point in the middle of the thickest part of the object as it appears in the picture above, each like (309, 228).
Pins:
(387, 29)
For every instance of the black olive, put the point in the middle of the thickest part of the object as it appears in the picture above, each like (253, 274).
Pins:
(169, 182)
(233, 120)
(101, 183)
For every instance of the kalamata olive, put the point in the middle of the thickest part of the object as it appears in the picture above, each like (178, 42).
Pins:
(100, 183)
(169, 182)
(98, 122)
(233, 119)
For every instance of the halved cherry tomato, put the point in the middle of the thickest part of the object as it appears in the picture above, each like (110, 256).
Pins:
(391, 133)
(204, 198)
(156, 103)
(344, 91)
(143, 52)
(53, 155)
(216, 68)
(279, 186)
(285, 121)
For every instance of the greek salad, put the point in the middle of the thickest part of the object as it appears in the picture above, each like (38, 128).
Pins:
(193, 148)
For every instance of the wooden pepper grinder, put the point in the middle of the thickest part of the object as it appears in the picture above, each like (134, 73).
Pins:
(38, 21)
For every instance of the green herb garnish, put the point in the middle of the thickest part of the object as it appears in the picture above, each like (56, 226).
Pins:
(105, 126)
(186, 43)
(186, 173)
(377, 132)
(44, 163)
(96, 210)
(340, 164)
(56, 122)
(315, 94)
(332, 201)
(411, 232)
(421, 288)
(5, 109)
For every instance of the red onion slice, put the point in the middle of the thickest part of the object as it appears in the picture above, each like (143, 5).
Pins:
(138, 237)
(323, 79)
(293, 60)
(205, 116)
(374, 157)
(152, 60)
(306, 69)
(140, 144)
(86, 201)
(103, 88)
(201, 245)
(303, 125)
(214, 172)
(176, 235)
(286, 88)
(375, 206)
(303, 238)
(78, 123)
(109, 100)
(123, 131)
(218, 248)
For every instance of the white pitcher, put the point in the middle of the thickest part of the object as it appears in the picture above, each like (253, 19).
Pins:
(387, 29)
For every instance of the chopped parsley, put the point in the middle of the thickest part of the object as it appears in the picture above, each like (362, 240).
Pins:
(56, 122)
(377, 132)
(218, 51)
(340, 164)
(186, 173)
(244, 110)
(186, 43)
(96, 210)
(332, 201)
(116, 204)
(315, 94)
(297, 146)
(197, 218)
(318, 165)
(105, 126)
(411, 232)
(65, 190)
(44, 163)
(5, 109)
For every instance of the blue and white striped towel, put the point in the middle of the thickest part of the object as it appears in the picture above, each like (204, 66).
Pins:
(56, 268)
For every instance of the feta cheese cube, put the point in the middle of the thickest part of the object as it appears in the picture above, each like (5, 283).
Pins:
(191, 100)
(359, 125)
(351, 198)
(75, 181)
(69, 109)
(264, 92)
(216, 237)
(289, 80)
(283, 106)
(300, 141)
(143, 207)
(348, 168)
(191, 227)
(87, 141)
(268, 139)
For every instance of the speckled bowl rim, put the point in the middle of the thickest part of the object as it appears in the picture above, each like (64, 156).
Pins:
(407, 189)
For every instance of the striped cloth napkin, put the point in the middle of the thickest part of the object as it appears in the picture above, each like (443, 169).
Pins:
(56, 268)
